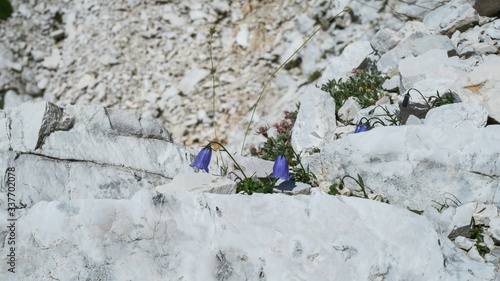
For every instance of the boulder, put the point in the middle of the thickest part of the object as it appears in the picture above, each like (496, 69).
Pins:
(315, 121)
(161, 236)
(413, 165)
(63, 153)
(463, 115)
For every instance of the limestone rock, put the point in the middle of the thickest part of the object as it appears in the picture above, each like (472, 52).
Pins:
(465, 115)
(384, 40)
(481, 85)
(145, 230)
(199, 182)
(315, 121)
(413, 165)
(349, 110)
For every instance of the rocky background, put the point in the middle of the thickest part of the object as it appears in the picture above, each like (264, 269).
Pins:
(151, 58)
(97, 166)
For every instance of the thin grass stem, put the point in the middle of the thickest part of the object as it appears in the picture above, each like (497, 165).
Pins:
(346, 9)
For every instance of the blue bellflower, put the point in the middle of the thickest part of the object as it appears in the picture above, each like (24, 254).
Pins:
(361, 128)
(203, 159)
(280, 169)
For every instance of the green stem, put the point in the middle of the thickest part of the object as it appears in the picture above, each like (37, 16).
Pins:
(213, 84)
(212, 31)
(225, 150)
(362, 186)
(346, 9)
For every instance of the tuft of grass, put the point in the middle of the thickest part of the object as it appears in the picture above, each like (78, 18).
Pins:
(334, 188)
(437, 100)
(364, 85)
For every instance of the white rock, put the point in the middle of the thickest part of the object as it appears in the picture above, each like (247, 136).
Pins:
(493, 33)
(315, 121)
(199, 182)
(392, 83)
(221, 7)
(57, 35)
(352, 56)
(305, 24)
(481, 85)
(52, 62)
(474, 255)
(42, 84)
(462, 220)
(495, 227)
(453, 15)
(431, 42)
(413, 69)
(242, 37)
(349, 110)
(413, 120)
(189, 82)
(464, 243)
(12, 99)
(236, 242)
(385, 40)
(465, 115)
(484, 213)
(252, 167)
(416, 164)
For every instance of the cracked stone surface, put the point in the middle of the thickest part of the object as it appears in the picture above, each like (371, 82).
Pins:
(165, 237)
(82, 152)
(413, 165)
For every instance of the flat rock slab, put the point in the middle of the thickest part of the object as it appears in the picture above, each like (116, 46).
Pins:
(238, 237)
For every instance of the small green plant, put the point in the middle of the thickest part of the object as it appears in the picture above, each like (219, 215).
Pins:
(334, 188)
(275, 146)
(449, 199)
(279, 145)
(250, 186)
(437, 100)
(366, 86)
(477, 233)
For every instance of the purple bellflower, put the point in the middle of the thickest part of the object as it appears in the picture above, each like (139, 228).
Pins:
(203, 158)
(280, 169)
(362, 128)
(406, 100)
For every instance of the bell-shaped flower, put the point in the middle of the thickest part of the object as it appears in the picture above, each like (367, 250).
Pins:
(362, 128)
(203, 158)
(406, 100)
(280, 169)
